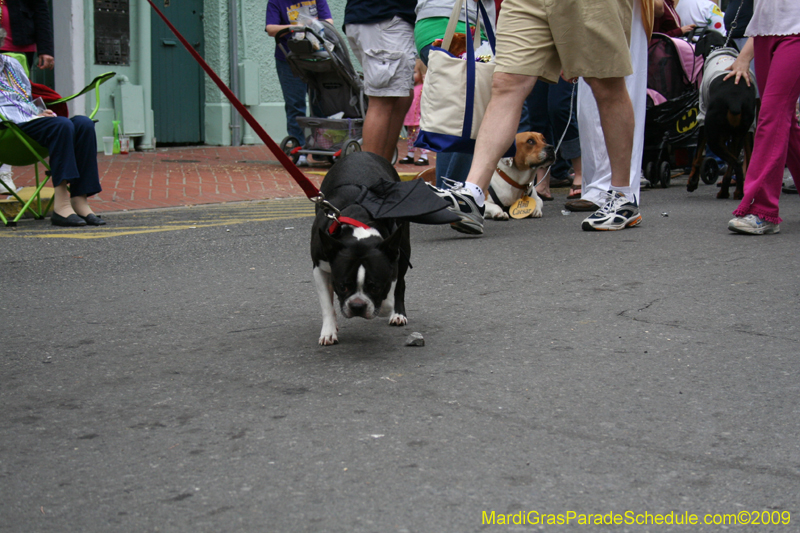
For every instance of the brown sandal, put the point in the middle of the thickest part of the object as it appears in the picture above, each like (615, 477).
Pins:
(574, 192)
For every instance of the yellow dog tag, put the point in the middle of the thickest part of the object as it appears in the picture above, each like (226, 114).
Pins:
(522, 208)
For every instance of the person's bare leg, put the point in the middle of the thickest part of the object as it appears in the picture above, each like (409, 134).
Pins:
(616, 120)
(499, 125)
(399, 111)
(577, 166)
(376, 124)
(383, 123)
(543, 183)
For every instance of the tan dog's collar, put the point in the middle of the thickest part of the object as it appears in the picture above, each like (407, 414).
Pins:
(512, 182)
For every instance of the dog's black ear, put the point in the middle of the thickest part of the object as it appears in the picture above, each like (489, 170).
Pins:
(391, 245)
(330, 246)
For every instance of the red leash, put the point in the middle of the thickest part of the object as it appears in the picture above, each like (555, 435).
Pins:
(309, 188)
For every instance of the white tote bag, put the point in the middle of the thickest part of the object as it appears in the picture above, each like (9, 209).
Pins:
(456, 91)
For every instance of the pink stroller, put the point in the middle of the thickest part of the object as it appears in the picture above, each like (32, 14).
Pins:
(673, 90)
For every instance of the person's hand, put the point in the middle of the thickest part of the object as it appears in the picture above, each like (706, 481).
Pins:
(47, 113)
(739, 68)
(46, 62)
(689, 27)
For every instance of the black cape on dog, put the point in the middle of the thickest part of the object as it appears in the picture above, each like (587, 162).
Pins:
(411, 201)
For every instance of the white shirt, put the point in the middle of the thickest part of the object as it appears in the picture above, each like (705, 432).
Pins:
(774, 17)
(703, 13)
(15, 106)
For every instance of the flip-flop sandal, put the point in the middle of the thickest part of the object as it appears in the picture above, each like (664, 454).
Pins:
(546, 198)
(574, 192)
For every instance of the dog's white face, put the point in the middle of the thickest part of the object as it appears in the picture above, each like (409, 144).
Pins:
(361, 271)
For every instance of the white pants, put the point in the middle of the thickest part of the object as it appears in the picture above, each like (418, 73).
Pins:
(594, 155)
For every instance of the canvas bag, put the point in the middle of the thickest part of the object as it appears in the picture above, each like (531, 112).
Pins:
(456, 91)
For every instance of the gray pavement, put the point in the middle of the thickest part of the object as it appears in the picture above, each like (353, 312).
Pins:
(164, 375)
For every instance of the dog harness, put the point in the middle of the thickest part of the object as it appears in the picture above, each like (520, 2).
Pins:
(716, 65)
(511, 182)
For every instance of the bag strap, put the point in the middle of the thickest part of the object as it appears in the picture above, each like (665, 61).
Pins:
(451, 25)
(467, 128)
(455, 15)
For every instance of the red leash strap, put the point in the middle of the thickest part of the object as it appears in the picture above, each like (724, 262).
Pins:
(309, 188)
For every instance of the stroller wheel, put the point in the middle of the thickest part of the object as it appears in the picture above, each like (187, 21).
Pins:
(650, 175)
(351, 147)
(395, 157)
(665, 174)
(709, 171)
(287, 145)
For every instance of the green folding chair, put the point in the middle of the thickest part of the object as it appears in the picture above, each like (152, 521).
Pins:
(19, 150)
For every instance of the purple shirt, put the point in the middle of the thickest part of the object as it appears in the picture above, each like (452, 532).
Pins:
(284, 12)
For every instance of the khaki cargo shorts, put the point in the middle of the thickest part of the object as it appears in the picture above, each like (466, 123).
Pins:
(387, 54)
(587, 38)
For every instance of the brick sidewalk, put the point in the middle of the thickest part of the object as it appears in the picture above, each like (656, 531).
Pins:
(172, 177)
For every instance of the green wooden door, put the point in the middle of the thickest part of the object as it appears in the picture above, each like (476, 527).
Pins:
(178, 82)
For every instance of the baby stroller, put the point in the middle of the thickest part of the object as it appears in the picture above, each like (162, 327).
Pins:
(673, 94)
(319, 56)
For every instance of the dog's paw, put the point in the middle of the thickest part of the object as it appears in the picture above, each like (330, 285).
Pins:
(328, 340)
(493, 212)
(398, 320)
(537, 213)
(327, 336)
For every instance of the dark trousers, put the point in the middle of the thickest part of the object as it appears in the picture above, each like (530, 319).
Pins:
(294, 99)
(547, 110)
(73, 151)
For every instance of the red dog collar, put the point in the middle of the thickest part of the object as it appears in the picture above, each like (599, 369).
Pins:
(345, 220)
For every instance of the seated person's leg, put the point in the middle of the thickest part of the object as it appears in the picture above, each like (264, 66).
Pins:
(64, 138)
(85, 149)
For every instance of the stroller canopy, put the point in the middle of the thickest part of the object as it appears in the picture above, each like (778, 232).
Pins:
(672, 67)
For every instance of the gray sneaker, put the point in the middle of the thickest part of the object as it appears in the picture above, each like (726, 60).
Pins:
(464, 205)
(752, 225)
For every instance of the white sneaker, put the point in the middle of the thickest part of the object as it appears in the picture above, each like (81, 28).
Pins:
(752, 225)
(617, 213)
(303, 161)
(464, 205)
(5, 178)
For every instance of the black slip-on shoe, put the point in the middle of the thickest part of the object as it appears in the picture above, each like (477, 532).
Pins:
(71, 221)
(93, 220)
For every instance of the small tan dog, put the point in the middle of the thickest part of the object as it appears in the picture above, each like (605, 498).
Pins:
(514, 175)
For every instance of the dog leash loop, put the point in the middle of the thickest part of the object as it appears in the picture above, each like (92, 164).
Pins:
(330, 209)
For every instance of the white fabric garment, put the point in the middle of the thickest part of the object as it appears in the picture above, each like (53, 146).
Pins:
(716, 65)
(774, 17)
(703, 13)
(594, 156)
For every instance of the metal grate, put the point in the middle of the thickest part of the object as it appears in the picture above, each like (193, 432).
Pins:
(112, 34)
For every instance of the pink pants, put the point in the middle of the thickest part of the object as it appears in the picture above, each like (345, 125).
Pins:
(777, 141)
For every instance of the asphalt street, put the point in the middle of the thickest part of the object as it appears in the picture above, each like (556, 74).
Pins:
(162, 373)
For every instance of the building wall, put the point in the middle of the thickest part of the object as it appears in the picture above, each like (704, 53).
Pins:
(256, 46)
(75, 65)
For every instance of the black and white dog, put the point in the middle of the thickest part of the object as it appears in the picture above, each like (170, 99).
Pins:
(360, 258)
